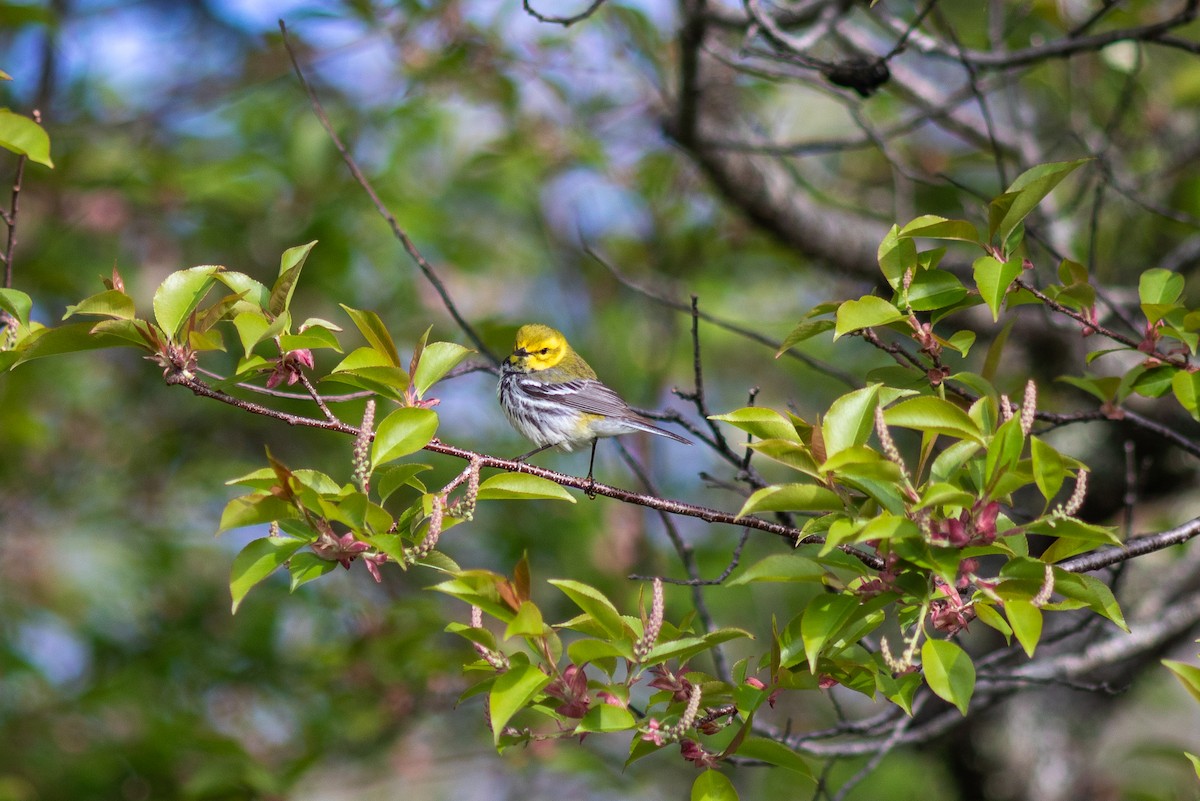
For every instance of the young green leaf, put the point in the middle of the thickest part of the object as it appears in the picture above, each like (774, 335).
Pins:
(993, 278)
(510, 693)
(436, 360)
(774, 753)
(259, 559)
(1023, 195)
(803, 331)
(24, 137)
(520, 486)
(791, 498)
(934, 415)
(290, 265)
(592, 601)
(949, 672)
(780, 567)
(402, 432)
(713, 786)
(16, 303)
(760, 422)
(375, 332)
(1188, 675)
(823, 619)
(1026, 621)
(866, 312)
(179, 295)
(1186, 387)
(850, 420)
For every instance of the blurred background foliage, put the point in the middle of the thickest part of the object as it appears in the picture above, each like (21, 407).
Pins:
(504, 146)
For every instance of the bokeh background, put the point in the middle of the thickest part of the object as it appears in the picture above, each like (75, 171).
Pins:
(506, 148)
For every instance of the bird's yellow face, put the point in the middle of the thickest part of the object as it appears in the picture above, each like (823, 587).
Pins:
(538, 347)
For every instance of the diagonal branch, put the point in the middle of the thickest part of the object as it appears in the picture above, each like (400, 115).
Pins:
(415, 254)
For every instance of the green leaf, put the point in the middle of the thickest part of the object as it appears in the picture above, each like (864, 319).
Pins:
(866, 312)
(934, 415)
(521, 486)
(526, 623)
(713, 786)
(934, 289)
(436, 360)
(1195, 760)
(259, 559)
(1049, 468)
(993, 278)
(254, 296)
(582, 652)
(1022, 197)
(110, 303)
(803, 331)
(253, 327)
(24, 137)
(179, 295)
(1159, 291)
(1074, 529)
(606, 718)
(1026, 620)
(290, 265)
(402, 432)
(1188, 675)
(592, 601)
(16, 303)
(850, 420)
(780, 567)
(1103, 388)
(791, 498)
(823, 619)
(774, 753)
(387, 479)
(306, 567)
(897, 256)
(932, 226)
(1186, 387)
(789, 452)
(375, 332)
(253, 510)
(71, 338)
(760, 422)
(511, 692)
(949, 672)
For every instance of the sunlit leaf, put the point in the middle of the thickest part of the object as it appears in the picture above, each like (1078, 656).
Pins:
(949, 672)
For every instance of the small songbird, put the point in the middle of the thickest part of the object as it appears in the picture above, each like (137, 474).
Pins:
(552, 396)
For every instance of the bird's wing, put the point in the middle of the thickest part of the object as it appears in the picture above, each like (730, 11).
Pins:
(585, 395)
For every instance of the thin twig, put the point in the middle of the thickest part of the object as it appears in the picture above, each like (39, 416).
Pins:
(563, 21)
(687, 556)
(775, 345)
(425, 267)
(10, 219)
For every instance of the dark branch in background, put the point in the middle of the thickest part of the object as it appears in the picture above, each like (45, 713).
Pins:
(687, 556)
(425, 267)
(1154, 32)
(563, 21)
(792, 534)
(678, 305)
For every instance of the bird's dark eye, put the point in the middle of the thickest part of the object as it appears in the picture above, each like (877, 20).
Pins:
(544, 351)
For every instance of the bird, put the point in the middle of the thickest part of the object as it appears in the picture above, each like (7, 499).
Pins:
(553, 397)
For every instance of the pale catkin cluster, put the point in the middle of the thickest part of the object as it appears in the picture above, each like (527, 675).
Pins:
(496, 659)
(642, 648)
(362, 449)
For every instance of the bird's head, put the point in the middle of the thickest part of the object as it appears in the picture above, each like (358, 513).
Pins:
(538, 347)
